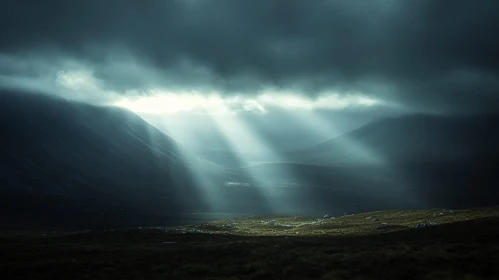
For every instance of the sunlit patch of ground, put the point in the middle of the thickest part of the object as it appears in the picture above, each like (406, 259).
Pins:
(351, 225)
(448, 244)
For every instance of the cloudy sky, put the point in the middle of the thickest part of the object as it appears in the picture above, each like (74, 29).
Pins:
(171, 56)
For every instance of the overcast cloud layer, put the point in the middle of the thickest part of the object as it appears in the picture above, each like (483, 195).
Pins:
(421, 54)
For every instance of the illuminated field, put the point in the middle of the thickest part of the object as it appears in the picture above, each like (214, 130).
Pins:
(349, 225)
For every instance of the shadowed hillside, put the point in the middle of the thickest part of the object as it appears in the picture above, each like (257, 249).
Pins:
(73, 163)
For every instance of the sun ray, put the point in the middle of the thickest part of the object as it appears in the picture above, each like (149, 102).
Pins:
(242, 140)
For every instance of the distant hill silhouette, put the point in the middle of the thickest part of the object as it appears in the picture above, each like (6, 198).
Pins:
(411, 138)
(415, 161)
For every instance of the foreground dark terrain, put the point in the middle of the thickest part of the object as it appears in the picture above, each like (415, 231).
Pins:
(429, 244)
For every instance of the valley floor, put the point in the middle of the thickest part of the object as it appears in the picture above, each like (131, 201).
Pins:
(427, 244)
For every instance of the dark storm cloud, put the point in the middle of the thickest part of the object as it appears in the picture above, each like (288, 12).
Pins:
(436, 54)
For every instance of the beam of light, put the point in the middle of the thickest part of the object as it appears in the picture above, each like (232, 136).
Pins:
(221, 190)
(242, 140)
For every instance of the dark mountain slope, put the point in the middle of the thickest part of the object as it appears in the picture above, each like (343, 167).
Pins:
(91, 164)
